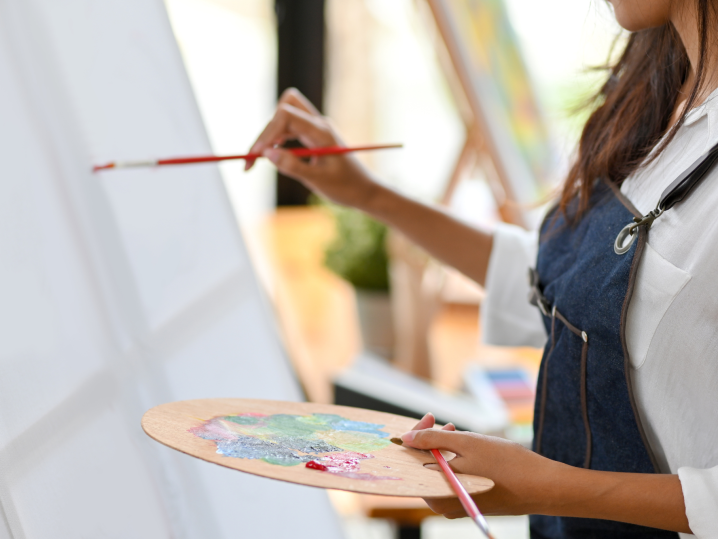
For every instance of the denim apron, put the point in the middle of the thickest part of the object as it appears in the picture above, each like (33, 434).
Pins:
(585, 412)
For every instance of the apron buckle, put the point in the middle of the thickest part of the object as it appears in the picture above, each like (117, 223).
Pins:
(536, 297)
(628, 234)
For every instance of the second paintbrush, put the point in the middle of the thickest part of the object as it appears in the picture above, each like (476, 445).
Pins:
(299, 152)
(466, 501)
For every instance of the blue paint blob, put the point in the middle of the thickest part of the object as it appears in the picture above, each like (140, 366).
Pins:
(289, 440)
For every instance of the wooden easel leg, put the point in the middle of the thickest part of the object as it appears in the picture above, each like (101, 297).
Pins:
(464, 165)
(507, 206)
(415, 290)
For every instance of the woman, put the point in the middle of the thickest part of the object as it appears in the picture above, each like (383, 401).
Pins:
(626, 437)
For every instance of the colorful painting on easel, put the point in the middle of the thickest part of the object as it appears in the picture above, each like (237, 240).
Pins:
(501, 77)
(323, 442)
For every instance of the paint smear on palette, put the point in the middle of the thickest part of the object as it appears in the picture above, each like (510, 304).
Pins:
(345, 465)
(325, 442)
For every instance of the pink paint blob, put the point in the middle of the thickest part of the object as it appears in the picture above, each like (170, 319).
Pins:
(215, 428)
(345, 464)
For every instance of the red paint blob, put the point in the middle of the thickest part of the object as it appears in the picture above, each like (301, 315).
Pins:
(345, 464)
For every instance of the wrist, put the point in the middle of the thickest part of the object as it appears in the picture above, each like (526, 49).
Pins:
(375, 200)
(548, 494)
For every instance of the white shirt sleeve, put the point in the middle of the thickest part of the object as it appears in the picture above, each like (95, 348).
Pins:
(700, 492)
(507, 317)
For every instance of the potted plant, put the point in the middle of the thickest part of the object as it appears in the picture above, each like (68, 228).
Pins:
(358, 255)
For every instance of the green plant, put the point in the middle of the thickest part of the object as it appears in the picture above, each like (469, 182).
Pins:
(358, 252)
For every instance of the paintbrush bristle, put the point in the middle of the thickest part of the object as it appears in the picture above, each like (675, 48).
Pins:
(396, 441)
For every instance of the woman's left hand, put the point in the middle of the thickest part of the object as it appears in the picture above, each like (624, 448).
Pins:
(521, 476)
(527, 483)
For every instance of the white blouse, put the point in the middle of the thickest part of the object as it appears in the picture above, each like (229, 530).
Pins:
(672, 323)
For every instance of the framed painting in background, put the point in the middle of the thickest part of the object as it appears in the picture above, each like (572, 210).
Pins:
(504, 122)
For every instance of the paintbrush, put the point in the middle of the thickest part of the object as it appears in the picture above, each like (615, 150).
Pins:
(466, 501)
(299, 152)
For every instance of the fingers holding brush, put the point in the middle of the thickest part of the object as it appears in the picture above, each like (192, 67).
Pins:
(428, 422)
(294, 97)
(521, 476)
(340, 178)
(295, 118)
(291, 122)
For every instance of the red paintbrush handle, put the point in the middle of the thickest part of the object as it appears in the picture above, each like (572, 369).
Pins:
(299, 152)
(336, 150)
(466, 501)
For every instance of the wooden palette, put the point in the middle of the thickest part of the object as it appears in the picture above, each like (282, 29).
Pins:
(170, 425)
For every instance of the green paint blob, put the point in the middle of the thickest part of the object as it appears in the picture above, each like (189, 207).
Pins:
(290, 440)
(292, 425)
(242, 419)
(359, 442)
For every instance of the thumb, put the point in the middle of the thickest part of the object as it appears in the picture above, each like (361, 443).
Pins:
(286, 162)
(435, 439)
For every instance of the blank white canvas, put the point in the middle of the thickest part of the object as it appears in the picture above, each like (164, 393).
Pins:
(121, 290)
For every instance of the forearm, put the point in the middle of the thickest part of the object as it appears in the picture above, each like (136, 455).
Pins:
(451, 241)
(654, 500)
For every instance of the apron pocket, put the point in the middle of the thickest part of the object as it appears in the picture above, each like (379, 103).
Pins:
(658, 282)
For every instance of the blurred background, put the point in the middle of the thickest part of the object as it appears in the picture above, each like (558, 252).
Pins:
(354, 300)
(128, 288)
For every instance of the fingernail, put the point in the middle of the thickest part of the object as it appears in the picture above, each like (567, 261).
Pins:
(409, 436)
(272, 155)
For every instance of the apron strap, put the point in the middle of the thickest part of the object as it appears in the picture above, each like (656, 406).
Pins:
(682, 186)
(677, 191)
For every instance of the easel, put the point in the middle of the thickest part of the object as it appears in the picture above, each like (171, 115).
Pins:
(480, 147)
(417, 288)
(476, 153)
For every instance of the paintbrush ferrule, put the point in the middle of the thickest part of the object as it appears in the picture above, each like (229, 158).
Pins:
(132, 164)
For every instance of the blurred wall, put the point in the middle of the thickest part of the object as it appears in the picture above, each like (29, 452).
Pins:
(384, 84)
(230, 51)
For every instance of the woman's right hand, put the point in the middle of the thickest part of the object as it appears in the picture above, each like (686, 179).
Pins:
(341, 178)
(344, 180)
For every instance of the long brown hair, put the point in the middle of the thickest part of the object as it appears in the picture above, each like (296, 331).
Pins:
(633, 108)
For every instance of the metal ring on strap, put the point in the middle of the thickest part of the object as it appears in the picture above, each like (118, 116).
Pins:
(625, 239)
